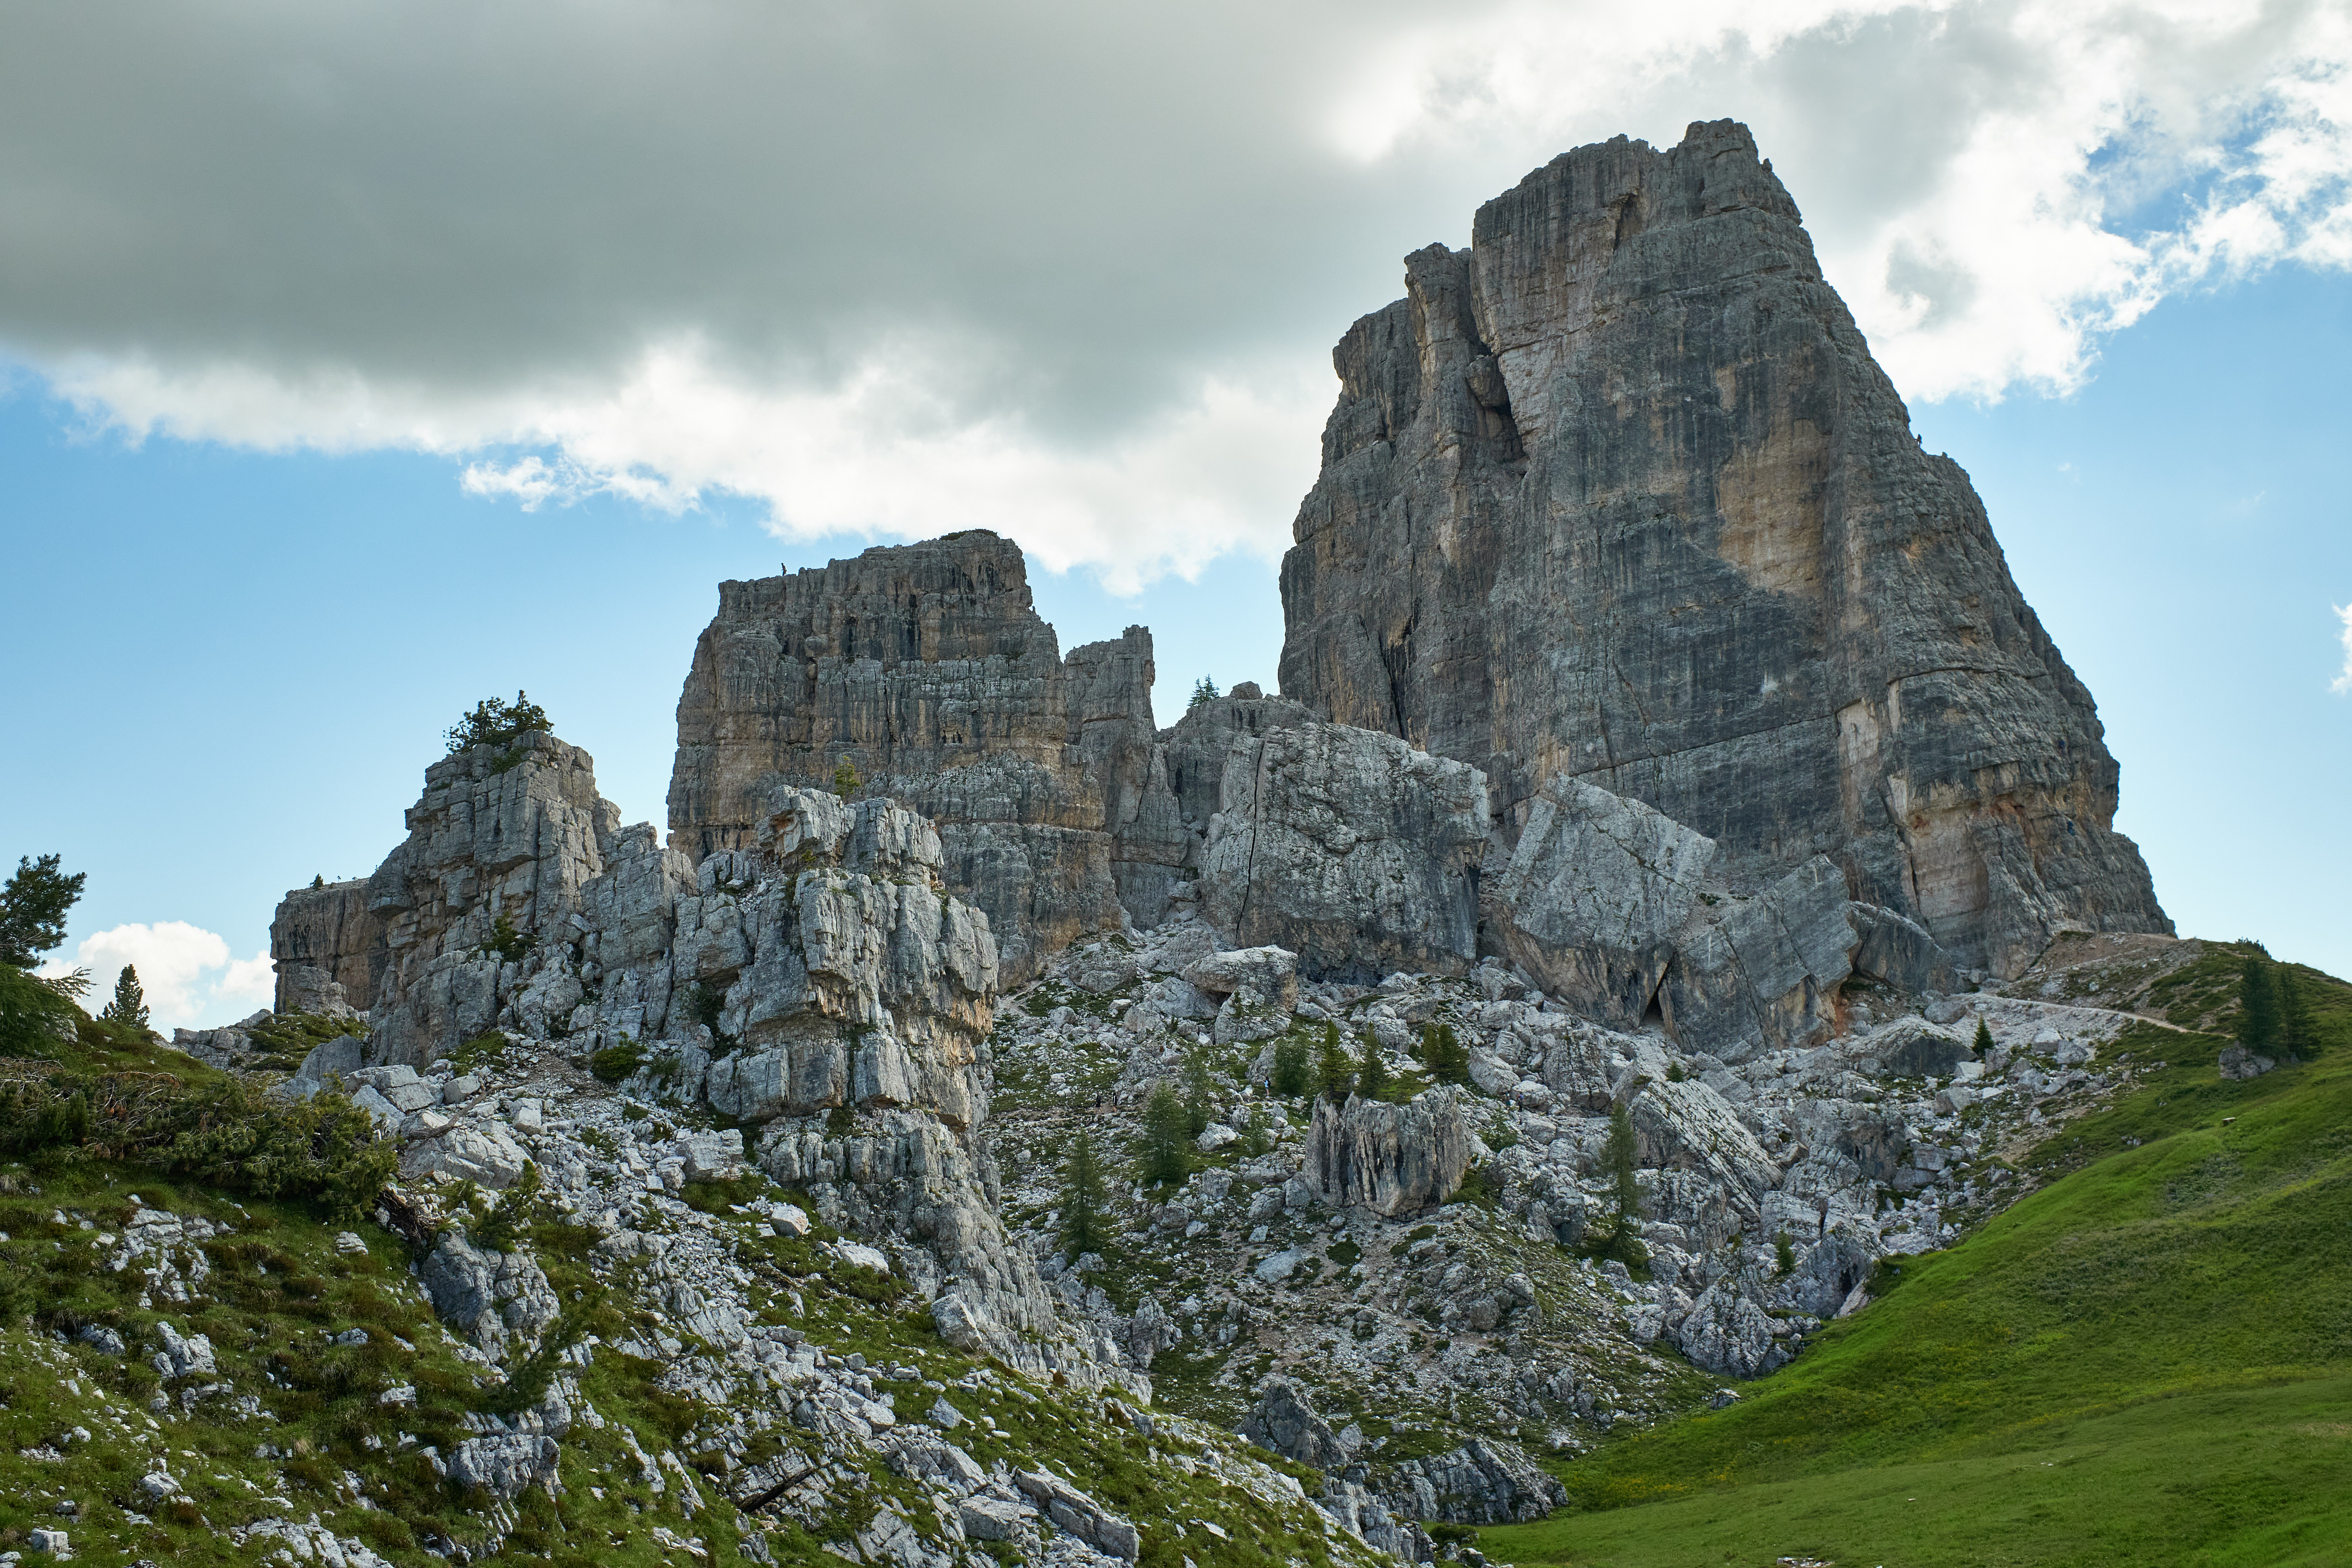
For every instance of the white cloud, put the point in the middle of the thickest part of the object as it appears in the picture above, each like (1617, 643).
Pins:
(2342, 684)
(187, 973)
(930, 268)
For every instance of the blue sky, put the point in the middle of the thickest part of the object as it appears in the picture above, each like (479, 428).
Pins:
(358, 362)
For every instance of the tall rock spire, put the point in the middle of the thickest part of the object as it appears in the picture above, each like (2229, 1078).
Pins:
(1619, 493)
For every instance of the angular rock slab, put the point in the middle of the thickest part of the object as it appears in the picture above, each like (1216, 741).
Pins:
(1352, 849)
(1392, 1159)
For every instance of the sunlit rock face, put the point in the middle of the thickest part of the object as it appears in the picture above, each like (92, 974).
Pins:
(1618, 493)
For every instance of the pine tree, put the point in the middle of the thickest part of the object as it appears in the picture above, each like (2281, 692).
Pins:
(1336, 1071)
(1203, 691)
(494, 724)
(1085, 1197)
(1291, 1074)
(33, 909)
(2258, 1007)
(1161, 1150)
(1441, 1054)
(130, 1004)
(845, 781)
(1200, 1094)
(1373, 1080)
(1617, 1157)
(2298, 1019)
(1984, 1037)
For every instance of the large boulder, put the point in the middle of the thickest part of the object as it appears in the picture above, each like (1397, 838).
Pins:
(1595, 893)
(1762, 972)
(1284, 1422)
(1485, 1481)
(1349, 849)
(1392, 1159)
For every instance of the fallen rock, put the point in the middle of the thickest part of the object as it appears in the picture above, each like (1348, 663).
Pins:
(1392, 1159)
(1284, 1422)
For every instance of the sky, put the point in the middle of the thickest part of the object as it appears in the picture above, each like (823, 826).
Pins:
(358, 361)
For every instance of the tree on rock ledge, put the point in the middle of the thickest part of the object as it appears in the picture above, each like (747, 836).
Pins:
(493, 722)
(1160, 1151)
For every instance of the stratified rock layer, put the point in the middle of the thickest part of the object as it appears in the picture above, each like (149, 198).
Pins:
(926, 668)
(1619, 493)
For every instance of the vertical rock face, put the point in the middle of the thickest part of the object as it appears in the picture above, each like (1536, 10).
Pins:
(927, 669)
(329, 932)
(1619, 493)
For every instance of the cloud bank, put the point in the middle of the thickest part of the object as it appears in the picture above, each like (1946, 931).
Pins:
(189, 975)
(1070, 273)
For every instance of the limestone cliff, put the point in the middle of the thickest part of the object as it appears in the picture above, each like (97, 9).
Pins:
(1619, 493)
(925, 668)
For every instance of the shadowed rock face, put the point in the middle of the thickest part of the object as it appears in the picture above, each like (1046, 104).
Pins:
(1619, 493)
(927, 669)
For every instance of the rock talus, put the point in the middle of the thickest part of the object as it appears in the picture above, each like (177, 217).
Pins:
(1619, 493)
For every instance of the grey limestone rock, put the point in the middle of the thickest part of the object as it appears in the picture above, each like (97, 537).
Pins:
(1271, 971)
(504, 1464)
(492, 1298)
(1914, 1047)
(1485, 1481)
(1761, 972)
(1350, 849)
(1595, 894)
(927, 669)
(1284, 1422)
(1618, 493)
(1392, 1159)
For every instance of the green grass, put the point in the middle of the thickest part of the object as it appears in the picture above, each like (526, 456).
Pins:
(2145, 1362)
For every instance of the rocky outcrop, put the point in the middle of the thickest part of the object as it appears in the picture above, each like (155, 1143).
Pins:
(1352, 850)
(1618, 493)
(1482, 1482)
(1391, 1158)
(1284, 1422)
(323, 936)
(1761, 972)
(926, 668)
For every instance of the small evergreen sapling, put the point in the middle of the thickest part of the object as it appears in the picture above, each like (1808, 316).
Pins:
(1203, 691)
(845, 781)
(1085, 1199)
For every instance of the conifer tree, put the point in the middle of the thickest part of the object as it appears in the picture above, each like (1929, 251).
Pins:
(845, 781)
(1203, 691)
(1442, 1053)
(130, 1004)
(1293, 1074)
(1336, 1072)
(2258, 1006)
(1199, 1093)
(1085, 1197)
(1373, 1080)
(2299, 1017)
(33, 907)
(1617, 1158)
(1984, 1037)
(1160, 1151)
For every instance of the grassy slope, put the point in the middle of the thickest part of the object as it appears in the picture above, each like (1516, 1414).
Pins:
(2148, 1361)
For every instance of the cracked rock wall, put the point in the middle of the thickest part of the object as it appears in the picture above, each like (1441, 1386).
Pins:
(1619, 493)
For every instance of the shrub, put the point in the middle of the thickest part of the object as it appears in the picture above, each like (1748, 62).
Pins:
(35, 1018)
(1784, 1254)
(509, 943)
(615, 1063)
(1374, 1080)
(845, 781)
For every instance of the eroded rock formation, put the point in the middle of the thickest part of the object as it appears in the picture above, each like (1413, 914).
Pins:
(1619, 493)
(926, 670)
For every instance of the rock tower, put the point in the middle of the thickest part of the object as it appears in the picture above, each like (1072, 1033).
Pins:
(1618, 493)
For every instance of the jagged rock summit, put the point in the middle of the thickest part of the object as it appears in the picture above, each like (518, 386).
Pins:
(1617, 493)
